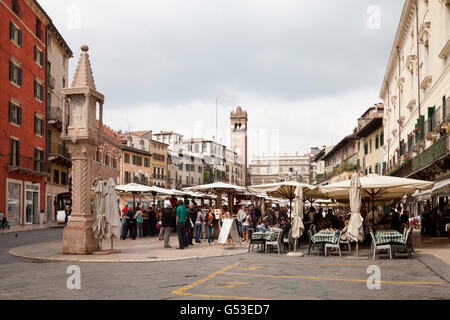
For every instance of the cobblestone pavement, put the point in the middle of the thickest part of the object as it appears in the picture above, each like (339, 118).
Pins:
(248, 276)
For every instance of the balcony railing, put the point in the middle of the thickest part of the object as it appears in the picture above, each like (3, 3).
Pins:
(437, 150)
(59, 150)
(26, 164)
(56, 115)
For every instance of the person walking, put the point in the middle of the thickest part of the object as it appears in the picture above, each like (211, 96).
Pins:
(205, 216)
(245, 226)
(139, 221)
(192, 217)
(152, 222)
(130, 225)
(159, 224)
(181, 224)
(166, 223)
(123, 222)
(198, 224)
(210, 226)
(240, 219)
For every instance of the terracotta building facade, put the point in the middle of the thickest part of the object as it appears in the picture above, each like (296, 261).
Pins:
(22, 110)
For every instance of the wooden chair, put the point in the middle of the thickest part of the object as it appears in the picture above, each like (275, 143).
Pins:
(313, 245)
(375, 247)
(278, 243)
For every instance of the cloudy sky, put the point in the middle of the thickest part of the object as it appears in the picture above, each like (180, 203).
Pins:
(303, 69)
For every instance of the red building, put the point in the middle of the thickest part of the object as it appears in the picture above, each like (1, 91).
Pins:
(23, 40)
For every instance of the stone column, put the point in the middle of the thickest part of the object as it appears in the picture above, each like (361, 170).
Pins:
(78, 235)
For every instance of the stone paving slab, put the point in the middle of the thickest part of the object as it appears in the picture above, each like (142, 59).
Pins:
(140, 250)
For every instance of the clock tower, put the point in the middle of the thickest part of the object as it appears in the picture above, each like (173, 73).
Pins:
(239, 120)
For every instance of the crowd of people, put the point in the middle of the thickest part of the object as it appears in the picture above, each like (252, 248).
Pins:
(197, 223)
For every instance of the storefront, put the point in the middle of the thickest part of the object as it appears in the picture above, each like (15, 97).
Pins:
(22, 202)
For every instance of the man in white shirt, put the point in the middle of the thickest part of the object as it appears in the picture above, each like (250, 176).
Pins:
(240, 217)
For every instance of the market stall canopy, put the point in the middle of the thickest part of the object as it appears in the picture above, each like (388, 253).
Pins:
(217, 187)
(286, 190)
(377, 188)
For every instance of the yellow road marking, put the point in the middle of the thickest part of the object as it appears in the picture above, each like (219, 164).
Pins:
(182, 291)
(228, 285)
(327, 279)
(312, 264)
(252, 268)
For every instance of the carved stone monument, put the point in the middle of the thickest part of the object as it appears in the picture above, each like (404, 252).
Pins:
(82, 137)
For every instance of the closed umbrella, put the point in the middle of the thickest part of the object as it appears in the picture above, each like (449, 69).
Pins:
(100, 226)
(112, 211)
(297, 226)
(355, 227)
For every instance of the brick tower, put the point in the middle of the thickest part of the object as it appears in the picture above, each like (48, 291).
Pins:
(239, 120)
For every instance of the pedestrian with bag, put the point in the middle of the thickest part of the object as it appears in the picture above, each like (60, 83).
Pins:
(210, 225)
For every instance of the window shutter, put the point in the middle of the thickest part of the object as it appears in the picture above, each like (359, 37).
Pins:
(11, 156)
(11, 71)
(41, 88)
(19, 116)
(42, 58)
(20, 38)
(18, 154)
(35, 125)
(19, 73)
(42, 127)
(11, 30)
(35, 89)
(35, 53)
(10, 111)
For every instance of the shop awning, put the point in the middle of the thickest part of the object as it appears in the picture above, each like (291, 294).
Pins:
(441, 186)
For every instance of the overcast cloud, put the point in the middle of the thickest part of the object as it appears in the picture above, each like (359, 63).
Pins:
(304, 70)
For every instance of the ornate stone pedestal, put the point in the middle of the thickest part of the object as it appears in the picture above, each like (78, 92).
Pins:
(82, 136)
(79, 237)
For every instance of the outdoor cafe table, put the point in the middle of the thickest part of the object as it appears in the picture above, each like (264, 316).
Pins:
(325, 236)
(271, 235)
(389, 237)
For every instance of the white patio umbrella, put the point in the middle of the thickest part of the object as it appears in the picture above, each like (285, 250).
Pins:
(297, 223)
(218, 188)
(377, 189)
(287, 190)
(355, 226)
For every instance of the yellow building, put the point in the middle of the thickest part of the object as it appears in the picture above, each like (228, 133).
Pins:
(135, 164)
(371, 140)
(159, 163)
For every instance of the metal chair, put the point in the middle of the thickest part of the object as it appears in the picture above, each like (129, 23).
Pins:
(278, 243)
(336, 246)
(258, 242)
(347, 242)
(313, 229)
(313, 245)
(375, 247)
(403, 247)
